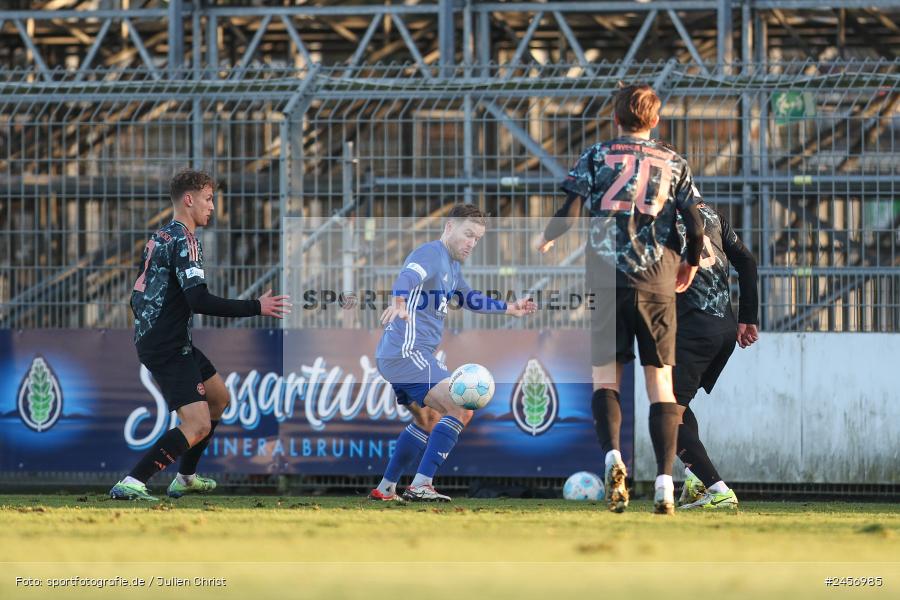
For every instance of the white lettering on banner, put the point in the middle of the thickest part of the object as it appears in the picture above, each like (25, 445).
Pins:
(139, 414)
(324, 393)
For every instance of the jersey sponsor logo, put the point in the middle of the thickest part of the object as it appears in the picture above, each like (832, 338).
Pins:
(418, 269)
(40, 397)
(534, 402)
(194, 272)
(201, 389)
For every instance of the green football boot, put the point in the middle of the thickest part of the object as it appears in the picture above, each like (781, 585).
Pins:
(131, 491)
(692, 491)
(198, 485)
(712, 500)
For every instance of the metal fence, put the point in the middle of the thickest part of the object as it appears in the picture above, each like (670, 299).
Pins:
(799, 156)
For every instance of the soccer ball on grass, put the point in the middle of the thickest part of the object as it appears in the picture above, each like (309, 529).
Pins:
(583, 486)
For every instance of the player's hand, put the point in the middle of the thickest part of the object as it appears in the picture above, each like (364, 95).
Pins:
(685, 276)
(520, 308)
(274, 306)
(395, 311)
(540, 244)
(747, 334)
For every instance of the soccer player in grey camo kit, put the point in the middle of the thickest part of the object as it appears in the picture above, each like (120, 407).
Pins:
(707, 334)
(633, 187)
(171, 287)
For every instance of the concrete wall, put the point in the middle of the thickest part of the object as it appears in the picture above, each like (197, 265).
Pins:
(797, 408)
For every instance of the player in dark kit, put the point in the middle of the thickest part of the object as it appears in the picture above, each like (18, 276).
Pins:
(707, 333)
(171, 287)
(632, 188)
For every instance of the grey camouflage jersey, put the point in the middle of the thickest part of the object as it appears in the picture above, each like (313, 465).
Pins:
(172, 262)
(705, 307)
(710, 291)
(632, 190)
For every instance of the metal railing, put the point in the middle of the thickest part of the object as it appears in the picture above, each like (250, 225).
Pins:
(799, 156)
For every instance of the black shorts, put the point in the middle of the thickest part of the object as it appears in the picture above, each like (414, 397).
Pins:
(649, 317)
(180, 376)
(699, 362)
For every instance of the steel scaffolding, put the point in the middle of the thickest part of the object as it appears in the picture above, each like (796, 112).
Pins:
(800, 156)
(220, 39)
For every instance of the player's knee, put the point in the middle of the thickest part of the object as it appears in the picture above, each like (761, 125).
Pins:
(606, 385)
(460, 414)
(216, 409)
(426, 420)
(197, 431)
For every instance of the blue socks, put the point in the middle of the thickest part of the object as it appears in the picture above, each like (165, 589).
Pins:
(409, 447)
(440, 443)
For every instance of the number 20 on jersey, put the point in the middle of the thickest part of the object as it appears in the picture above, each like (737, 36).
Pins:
(639, 172)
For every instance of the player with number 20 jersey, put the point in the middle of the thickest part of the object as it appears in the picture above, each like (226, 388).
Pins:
(632, 188)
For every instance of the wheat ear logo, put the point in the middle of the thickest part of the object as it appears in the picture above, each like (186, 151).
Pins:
(534, 401)
(40, 397)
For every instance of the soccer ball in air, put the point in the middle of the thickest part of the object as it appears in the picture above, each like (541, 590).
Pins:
(471, 386)
(583, 486)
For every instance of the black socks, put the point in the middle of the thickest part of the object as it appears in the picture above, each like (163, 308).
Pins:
(190, 458)
(664, 420)
(164, 452)
(607, 413)
(692, 452)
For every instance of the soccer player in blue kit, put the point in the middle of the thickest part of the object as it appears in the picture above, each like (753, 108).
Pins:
(413, 326)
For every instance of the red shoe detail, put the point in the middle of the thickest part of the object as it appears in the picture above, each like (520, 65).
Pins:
(377, 495)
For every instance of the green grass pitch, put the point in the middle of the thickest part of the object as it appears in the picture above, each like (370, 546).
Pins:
(348, 547)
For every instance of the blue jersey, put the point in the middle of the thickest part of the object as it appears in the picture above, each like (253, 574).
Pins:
(430, 280)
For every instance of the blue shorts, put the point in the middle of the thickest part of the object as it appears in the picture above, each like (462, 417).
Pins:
(413, 377)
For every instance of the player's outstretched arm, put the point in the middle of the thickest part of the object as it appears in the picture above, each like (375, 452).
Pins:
(274, 306)
(560, 223)
(521, 308)
(204, 303)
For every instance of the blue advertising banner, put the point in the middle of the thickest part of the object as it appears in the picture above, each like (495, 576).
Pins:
(79, 400)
